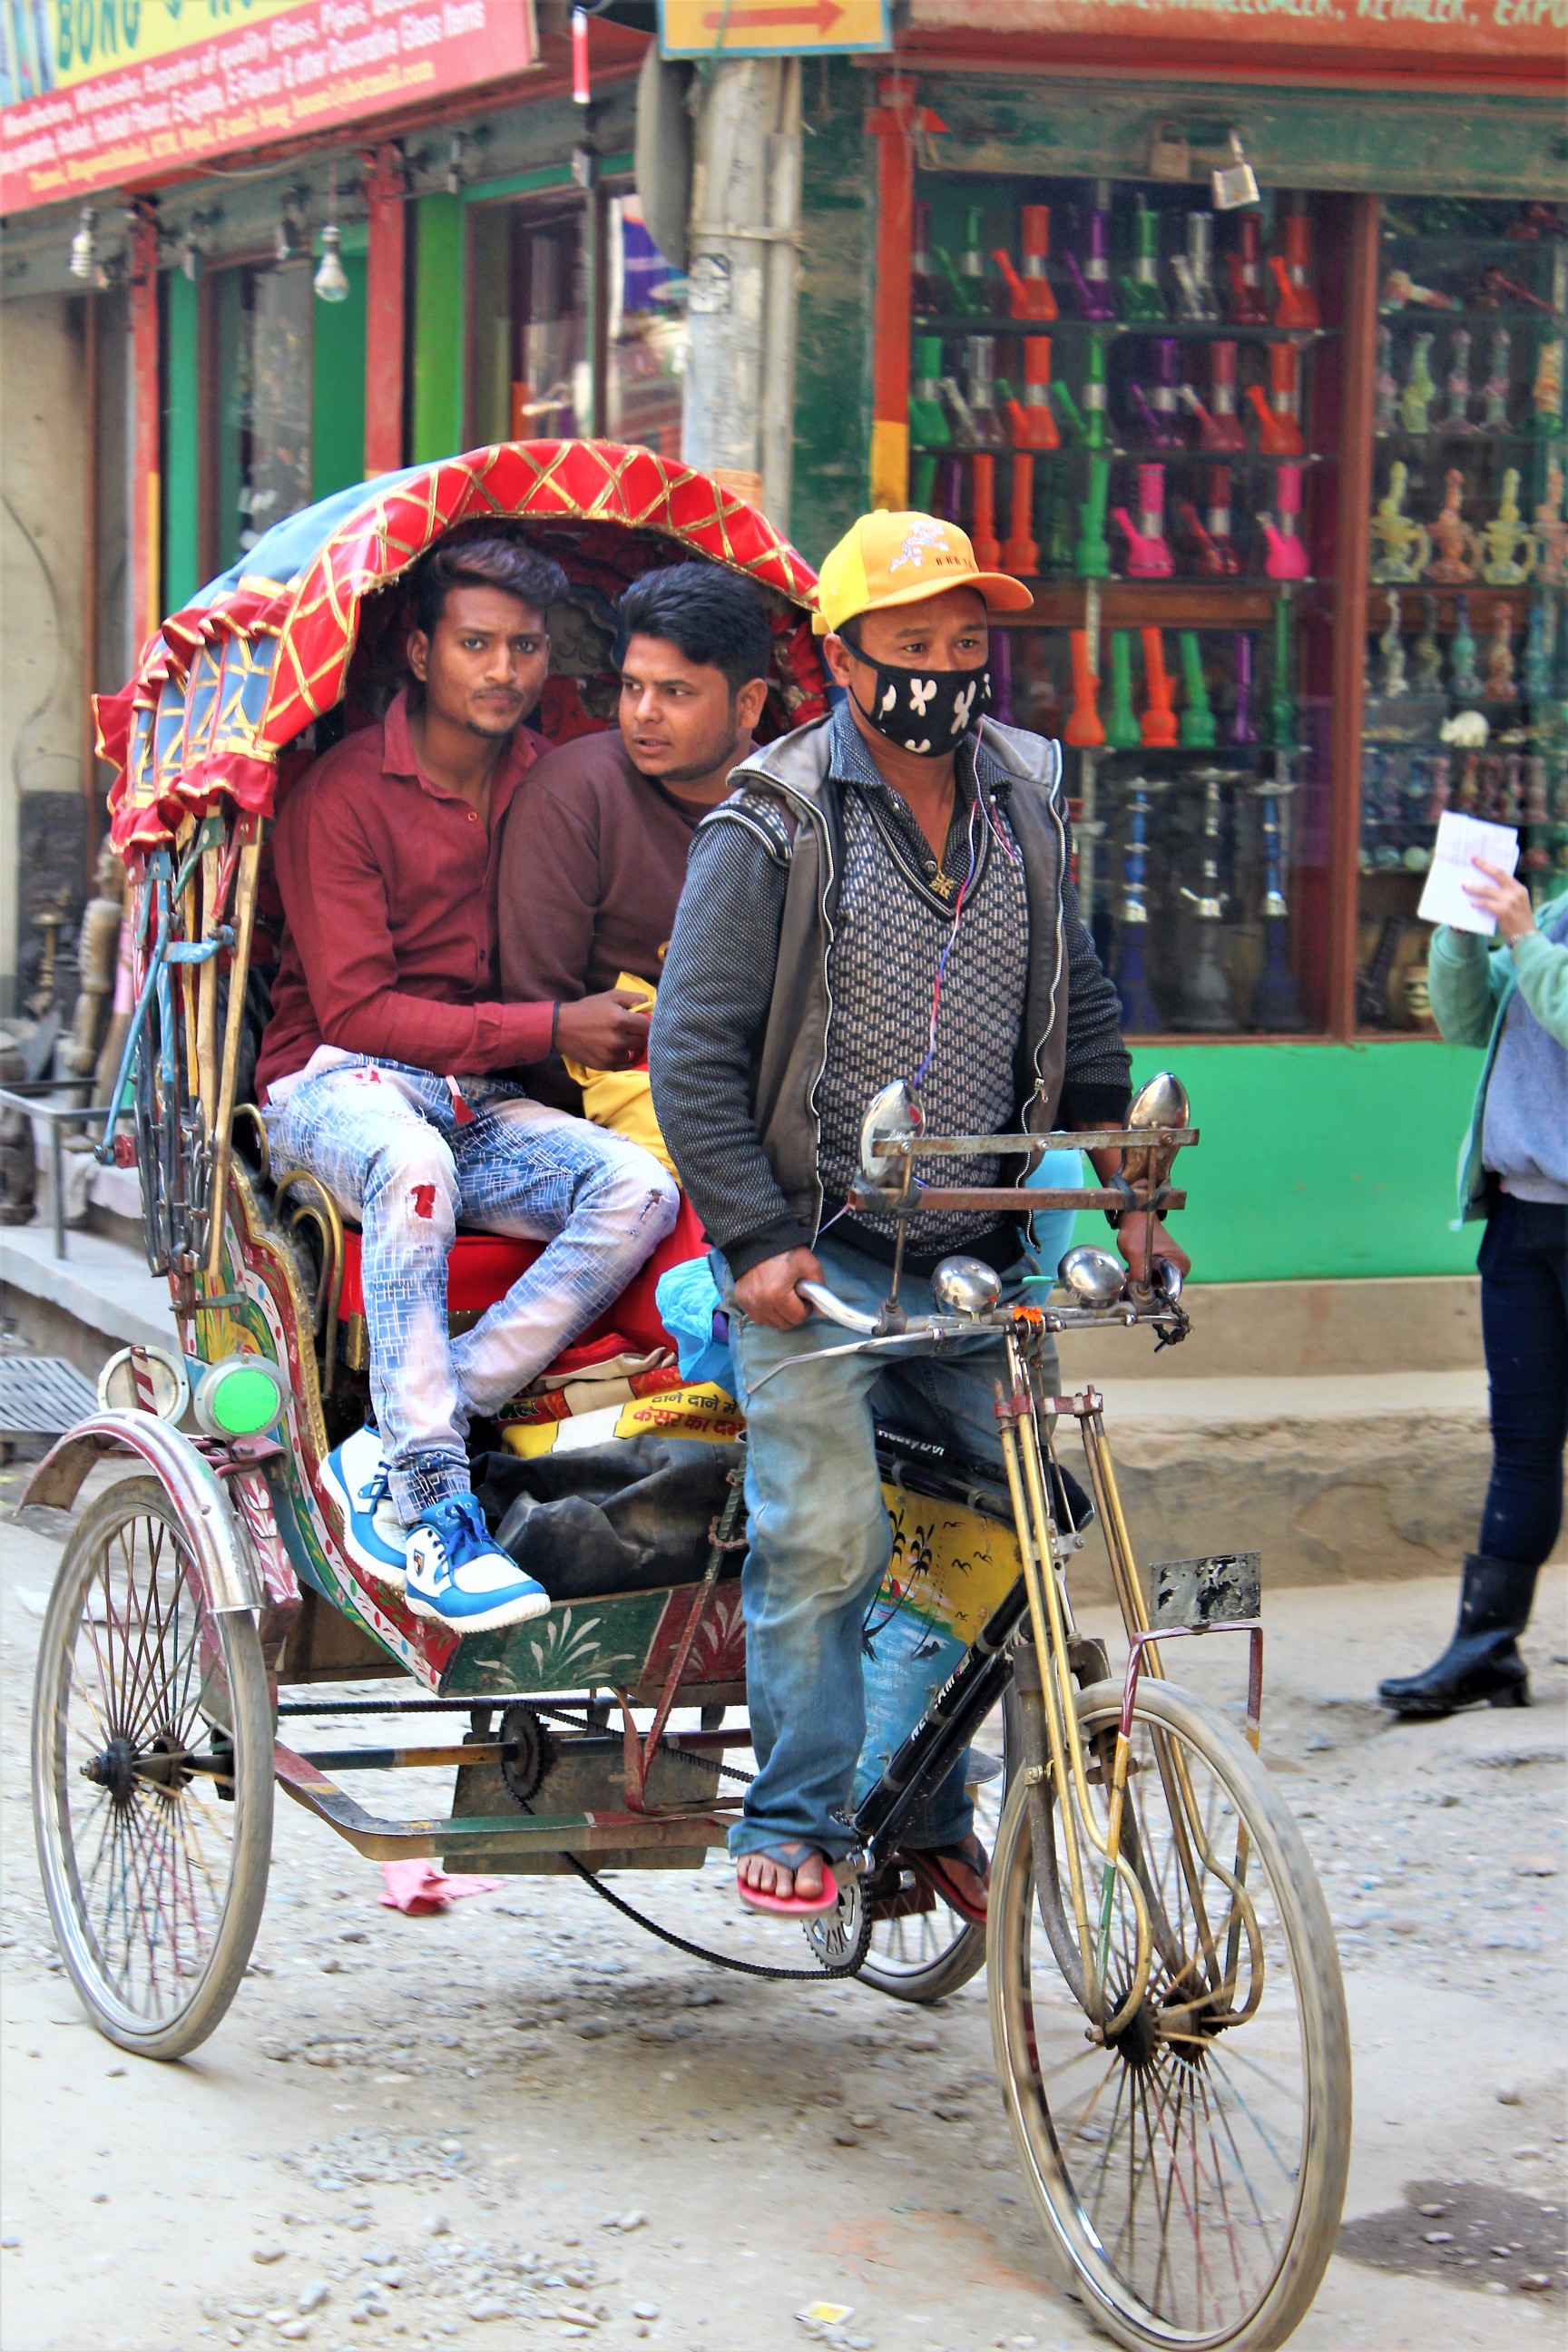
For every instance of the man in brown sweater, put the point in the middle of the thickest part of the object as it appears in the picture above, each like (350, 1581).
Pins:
(593, 855)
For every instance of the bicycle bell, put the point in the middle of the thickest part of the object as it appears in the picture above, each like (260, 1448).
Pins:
(965, 1286)
(1093, 1276)
(1161, 1101)
(893, 1111)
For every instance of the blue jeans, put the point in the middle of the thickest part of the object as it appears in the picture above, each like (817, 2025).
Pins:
(820, 1544)
(1524, 1326)
(386, 1142)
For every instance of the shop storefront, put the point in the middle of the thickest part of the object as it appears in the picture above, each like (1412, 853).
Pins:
(1274, 424)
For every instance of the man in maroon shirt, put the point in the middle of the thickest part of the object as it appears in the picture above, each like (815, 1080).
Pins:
(593, 856)
(376, 1074)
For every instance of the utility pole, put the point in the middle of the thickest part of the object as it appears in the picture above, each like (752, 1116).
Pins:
(738, 397)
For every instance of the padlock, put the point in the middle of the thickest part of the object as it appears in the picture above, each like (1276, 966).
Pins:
(1170, 157)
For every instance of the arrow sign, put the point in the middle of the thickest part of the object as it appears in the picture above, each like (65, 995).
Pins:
(706, 28)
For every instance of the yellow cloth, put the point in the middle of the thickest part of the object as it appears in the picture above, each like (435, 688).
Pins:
(622, 1100)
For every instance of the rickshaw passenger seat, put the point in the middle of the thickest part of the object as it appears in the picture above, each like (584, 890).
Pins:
(483, 1267)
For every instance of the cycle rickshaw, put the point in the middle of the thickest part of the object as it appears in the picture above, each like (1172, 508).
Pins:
(1167, 2013)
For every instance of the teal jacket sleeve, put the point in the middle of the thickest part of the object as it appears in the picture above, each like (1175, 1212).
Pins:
(1541, 968)
(1466, 980)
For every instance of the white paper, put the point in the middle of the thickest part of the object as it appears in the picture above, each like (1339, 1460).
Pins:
(1460, 840)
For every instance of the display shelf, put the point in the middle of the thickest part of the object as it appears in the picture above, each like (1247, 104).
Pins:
(1154, 603)
(1480, 437)
(1187, 330)
(1420, 314)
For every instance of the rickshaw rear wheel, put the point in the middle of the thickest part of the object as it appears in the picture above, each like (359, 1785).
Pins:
(926, 1954)
(151, 1777)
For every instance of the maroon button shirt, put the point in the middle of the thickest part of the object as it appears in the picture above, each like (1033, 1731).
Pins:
(389, 888)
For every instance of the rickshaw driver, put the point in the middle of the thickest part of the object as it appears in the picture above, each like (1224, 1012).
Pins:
(886, 894)
(373, 1076)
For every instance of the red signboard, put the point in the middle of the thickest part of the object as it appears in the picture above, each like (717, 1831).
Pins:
(154, 93)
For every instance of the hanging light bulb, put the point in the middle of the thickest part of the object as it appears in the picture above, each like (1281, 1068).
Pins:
(455, 164)
(84, 246)
(283, 240)
(190, 255)
(331, 281)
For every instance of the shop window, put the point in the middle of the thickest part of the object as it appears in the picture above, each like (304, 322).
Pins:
(1467, 661)
(259, 323)
(1134, 402)
(551, 355)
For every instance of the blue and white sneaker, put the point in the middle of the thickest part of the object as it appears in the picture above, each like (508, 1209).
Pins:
(457, 1576)
(374, 1536)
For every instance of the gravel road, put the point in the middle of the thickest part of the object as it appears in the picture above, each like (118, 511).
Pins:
(409, 2131)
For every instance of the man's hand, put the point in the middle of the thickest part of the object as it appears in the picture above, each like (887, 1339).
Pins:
(1137, 1233)
(768, 1293)
(1503, 897)
(608, 1031)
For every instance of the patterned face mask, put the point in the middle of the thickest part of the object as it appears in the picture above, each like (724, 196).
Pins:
(927, 712)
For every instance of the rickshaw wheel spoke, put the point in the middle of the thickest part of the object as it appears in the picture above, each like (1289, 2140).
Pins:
(1192, 2178)
(154, 1875)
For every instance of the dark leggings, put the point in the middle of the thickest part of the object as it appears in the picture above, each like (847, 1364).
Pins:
(1524, 1325)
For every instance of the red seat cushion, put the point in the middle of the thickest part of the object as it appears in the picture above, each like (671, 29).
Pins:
(482, 1268)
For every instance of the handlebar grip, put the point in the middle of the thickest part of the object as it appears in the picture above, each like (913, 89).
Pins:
(826, 1303)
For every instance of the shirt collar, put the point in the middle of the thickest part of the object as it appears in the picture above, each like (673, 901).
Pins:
(399, 758)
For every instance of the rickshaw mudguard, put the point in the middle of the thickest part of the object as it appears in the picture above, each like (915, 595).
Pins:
(230, 1578)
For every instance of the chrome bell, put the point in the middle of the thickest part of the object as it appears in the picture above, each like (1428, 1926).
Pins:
(965, 1286)
(1093, 1276)
(891, 1112)
(1161, 1101)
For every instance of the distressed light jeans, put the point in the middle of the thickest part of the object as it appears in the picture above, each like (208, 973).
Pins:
(829, 1705)
(386, 1142)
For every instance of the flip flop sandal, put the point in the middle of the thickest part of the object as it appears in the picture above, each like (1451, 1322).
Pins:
(932, 1865)
(790, 1907)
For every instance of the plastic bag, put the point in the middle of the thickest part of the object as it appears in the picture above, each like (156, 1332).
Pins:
(692, 1313)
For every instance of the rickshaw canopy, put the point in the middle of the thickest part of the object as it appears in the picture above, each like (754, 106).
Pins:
(228, 683)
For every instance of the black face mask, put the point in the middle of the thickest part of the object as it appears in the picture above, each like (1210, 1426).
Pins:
(926, 711)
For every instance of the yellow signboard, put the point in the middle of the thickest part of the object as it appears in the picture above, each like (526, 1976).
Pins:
(772, 28)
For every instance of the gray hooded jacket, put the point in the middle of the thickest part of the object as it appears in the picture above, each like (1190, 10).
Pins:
(740, 1033)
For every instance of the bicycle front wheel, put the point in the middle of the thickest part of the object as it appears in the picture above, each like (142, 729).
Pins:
(1189, 2167)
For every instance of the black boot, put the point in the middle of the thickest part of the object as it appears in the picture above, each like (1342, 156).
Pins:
(1482, 1661)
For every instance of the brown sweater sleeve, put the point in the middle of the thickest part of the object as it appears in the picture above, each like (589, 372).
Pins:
(548, 897)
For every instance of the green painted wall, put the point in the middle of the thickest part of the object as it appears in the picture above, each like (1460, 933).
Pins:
(182, 443)
(1320, 1160)
(337, 386)
(833, 343)
(438, 328)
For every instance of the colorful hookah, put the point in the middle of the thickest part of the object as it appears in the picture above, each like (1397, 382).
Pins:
(1140, 1013)
(1091, 557)
(1033, 419)
(982, 524)
(1298, 304)
(1278, 416)
(1385, 390)
(1159, 731)
(1148, 555)
(1546, 391)
(1199, 728)
(1205, 985)
(1495, 391)
(1287, 557)
(1243, 730)
(928, 427)
(1029, 293)
(1218, 557)
(1194, 272)
(1020, 552)
(924, 298)
(1248, 307)
(1282, 703)
(1122, 732)
(1220, 426)
(1090, 278)
(1141, 300)
(966, 280)
(1083, 730)
(1457, 384)
(1420, 388)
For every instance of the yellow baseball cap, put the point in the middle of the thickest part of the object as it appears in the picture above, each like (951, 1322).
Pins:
(896, 559)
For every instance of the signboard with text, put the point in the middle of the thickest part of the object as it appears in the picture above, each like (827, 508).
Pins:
(773, 29)
(100, 94)
(1443, 34)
